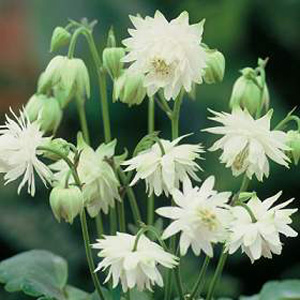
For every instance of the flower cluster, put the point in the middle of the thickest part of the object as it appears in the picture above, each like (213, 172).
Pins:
(166, 60)
(165, 165)
(170, 60)
(19, 147)
(248, 143)
(260, 237)
(201, 214)
(133, 267)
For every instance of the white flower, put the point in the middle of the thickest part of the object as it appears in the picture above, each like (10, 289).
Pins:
(260, 237)
(248, 143)
(19, 142)
(101, 185)
(169, 54)
(201, 215)
(163, 172)
(133, 268)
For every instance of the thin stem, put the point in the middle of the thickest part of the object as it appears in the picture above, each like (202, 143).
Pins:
(73, 41)
(82, 117)
(121, 215)
(105, 111)
(248, 209)
(179, 283)
(224, 254)
(132, 200)
(83, 222)
(151, 128)
(88, 252)
(217, 275)
(200, 279)
(85, 130)
(175, 134)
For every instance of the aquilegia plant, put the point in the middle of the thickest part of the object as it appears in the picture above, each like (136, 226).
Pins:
(160, 63)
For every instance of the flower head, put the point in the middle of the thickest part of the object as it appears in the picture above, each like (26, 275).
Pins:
(248, 143)
(133, 268)
(168, 53)
(200, 214)
(100, 184)
(19, 142)
(165, 165)
(262, 236)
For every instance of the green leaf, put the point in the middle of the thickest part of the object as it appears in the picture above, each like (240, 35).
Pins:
(37, 273)
(146, 142)
(279, 290)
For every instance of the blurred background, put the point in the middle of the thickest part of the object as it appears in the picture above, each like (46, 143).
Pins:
(243, 30)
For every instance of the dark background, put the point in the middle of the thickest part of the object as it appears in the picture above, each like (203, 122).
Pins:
(243, 30)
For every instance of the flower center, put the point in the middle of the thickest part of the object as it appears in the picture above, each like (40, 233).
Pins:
(239, 162)
(208, 218)
(160, 67)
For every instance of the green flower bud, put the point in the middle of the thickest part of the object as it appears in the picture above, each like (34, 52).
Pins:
(293, 141)
(128, 88)
(215, 69)
(60, 37)
(69, 74)
(247, 94)
(66, 203)
(45, 110)
(111, 39)
(57, 145)
(112, 61)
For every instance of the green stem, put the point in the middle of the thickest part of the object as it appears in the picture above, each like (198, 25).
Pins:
(85, 130)
(217, 275)
(73, 41)
(88, 252)
(132, 200)
(224, 254)
(175, 133)
(151, 128)
(200, 279)
(105, 111)
(82, 118)
(83, 222)
(248, 209)
(179, 282)
(121, 215)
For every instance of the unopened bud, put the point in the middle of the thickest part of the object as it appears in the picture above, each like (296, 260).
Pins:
(293, 141)
(215, 69)
(66, 203)
(58, 145)
(46, 111)
(112, 61)
(60, 37)
(247, 94)
(69, 74)
(129, 89)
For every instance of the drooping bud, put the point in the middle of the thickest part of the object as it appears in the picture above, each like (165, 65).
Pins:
(247, 94)
(69, 74)
(111, 39)
(112, 61)
(215, 69)
(45, 110)
(57, 145)
(60, 37)
(66, 203)
(129, 89)
(293, 141)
